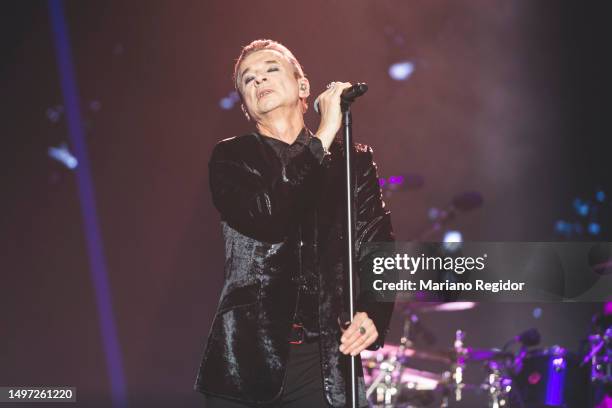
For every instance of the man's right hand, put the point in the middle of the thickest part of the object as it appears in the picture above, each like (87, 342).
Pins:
(331, 114)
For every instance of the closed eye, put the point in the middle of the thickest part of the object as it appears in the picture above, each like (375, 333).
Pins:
(250, 78)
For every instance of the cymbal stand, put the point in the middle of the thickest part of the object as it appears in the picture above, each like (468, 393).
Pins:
(406, 341)
(498, 385)
(459, 366)
(600, 357)
(386, 384)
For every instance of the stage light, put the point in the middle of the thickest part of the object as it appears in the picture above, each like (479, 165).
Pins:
(396, 179)
(234, 96)
(402, 182)
(600, 196)
(401, 71)
(54, 113)
(452, 240)
(537, 313)
(563, 227)
(228, 102)
(62, 155)
(594, 228)
(582, 207)
(433, 213)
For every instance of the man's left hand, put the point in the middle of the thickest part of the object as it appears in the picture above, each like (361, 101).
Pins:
(359, 335)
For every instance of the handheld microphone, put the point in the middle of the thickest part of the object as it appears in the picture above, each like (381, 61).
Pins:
(348, 95)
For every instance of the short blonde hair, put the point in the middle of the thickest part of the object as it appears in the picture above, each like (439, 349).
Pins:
(262, 45)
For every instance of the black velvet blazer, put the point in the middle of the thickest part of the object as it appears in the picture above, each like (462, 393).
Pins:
(259, 199)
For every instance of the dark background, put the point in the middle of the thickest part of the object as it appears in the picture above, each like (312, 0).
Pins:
(510, 99)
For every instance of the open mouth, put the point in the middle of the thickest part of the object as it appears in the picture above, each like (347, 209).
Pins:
(264, 93)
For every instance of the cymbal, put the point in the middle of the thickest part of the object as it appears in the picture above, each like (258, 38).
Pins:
(421, 380)
(413, 379)
(441, 356)
(392, 350)
(426, 307)
(475, 354)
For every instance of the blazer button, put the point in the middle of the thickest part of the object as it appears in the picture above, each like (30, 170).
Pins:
(301, 243)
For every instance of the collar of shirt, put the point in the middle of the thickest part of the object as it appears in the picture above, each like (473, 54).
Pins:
(278, 145)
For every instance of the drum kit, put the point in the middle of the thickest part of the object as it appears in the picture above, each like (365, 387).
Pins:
(525, 378)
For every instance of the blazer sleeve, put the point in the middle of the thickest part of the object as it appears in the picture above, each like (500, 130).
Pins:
(373, 225)
(258, 205)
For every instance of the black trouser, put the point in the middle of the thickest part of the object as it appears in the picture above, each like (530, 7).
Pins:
(303, 382)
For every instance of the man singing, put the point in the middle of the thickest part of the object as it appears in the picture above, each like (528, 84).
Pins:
(276, 339)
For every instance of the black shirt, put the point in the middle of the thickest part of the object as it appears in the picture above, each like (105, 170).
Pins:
(307, 310)
(286, 151)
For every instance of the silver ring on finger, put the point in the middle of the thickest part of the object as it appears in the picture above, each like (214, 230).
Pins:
(331, 85)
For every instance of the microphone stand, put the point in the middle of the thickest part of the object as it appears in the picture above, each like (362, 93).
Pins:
(347, 120)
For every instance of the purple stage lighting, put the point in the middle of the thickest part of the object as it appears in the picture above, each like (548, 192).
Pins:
(537, 313)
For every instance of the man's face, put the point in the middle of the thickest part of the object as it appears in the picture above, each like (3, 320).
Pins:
(266, 80)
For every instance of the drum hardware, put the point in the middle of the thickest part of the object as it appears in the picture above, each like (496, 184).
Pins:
(392, 379)
(459, 366)
(413, 328)
(371, 359)
(518, 361)
(393, 383)
(600, 357)
(498, 385)
(551, 377)
(384, 384)
(524, 378)
(498, 382)
(478, 354)
(438, 356)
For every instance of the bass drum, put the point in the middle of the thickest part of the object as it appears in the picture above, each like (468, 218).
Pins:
(551, 378)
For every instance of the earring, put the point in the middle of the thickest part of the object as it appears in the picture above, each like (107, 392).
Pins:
(303, 87)
(246, 114)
